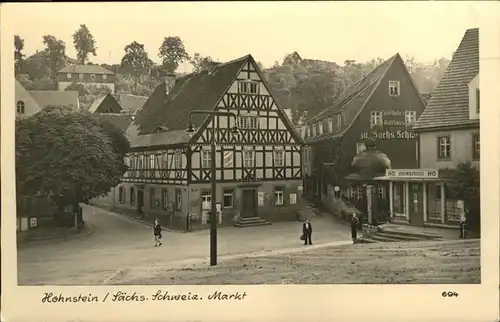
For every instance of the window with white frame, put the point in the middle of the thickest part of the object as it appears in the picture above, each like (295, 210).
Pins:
(248, 158)
(206, 159)
(92, 77)
(279, 158)
(320, 128)
(410, 117)
(381, 192)
(314, 130)
(228, 198)
(178, 160)
(394, 88)
(206, 199)
(330, 125)
(104, 77)
(360, 147)
(279, 196)
(376, 118)
(152, 161)
(80, 76)
(247, 122)
(444, 147)
(309, 131)
(68, 75)
(20, 107)
(228, 159)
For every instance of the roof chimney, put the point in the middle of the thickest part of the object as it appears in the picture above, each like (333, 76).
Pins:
(169, 83)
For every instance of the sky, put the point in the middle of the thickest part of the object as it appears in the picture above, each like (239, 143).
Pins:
(333, 31)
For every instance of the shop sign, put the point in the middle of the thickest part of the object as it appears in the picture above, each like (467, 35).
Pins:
(412, 173)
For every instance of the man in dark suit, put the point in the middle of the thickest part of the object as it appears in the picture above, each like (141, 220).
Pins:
(307, 231)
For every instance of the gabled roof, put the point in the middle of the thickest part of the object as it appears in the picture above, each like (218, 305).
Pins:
(352, 100)
(121, 121)
(131, 103)
(449, 104)
(56, 98)
(102, 104)
(196, 91)
(24, 95)
(86, 69)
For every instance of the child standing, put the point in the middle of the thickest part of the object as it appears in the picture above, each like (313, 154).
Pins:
(157, 233)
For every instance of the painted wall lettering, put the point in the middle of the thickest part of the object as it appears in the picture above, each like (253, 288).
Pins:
(389, 135)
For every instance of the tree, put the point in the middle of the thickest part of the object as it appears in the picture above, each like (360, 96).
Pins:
(172, 52)
(136, 60)
(70, 156)
(55, 54)
(18, 55)
(200, 63)
(27, 83)
(84, 44)
(464, 184)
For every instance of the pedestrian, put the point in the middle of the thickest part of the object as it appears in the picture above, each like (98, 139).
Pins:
(157, 233)
(354, 227)
(307, 232)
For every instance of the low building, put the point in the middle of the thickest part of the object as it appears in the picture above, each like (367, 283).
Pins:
(26, 105)
(87, 75)
(258, 171)
(448, 131)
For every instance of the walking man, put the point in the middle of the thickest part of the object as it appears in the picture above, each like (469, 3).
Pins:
(354, 227)
(307, 231)
(157, 233)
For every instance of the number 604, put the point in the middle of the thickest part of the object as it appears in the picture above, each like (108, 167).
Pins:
(449, 294)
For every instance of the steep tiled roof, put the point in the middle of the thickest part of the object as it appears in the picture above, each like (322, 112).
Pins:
(449, 104)
(96, 103)
(132, 103)
(121, 121)
(56, 98)
(352, 100)
(86, 69)
(196, 91)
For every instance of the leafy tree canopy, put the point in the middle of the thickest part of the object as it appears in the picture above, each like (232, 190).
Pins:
(72, 156)
(18, 55)
(136, 59)
(55, 54)
(200, 62)
(85, 44)
(172, 52)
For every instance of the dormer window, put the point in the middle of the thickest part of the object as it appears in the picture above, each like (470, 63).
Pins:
(330, 125)
(320, 128)
(478, 100)
(394, 88)
(339, 122)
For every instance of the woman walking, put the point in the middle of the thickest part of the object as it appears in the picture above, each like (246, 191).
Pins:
(354, 227)
(157, 233)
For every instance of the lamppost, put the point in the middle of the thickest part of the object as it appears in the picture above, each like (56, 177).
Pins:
(213, 177)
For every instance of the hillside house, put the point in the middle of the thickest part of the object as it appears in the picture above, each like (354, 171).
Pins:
(87, 75)
(258, 172)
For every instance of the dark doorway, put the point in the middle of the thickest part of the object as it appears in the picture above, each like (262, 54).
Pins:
(140, 202)
(248, 203)
(416, 204)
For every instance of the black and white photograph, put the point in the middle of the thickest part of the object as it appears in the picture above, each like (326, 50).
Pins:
(240, 143)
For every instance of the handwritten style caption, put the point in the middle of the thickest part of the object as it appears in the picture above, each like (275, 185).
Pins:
(160, 295)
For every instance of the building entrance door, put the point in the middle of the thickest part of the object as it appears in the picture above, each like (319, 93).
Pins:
(140, 202)
(248, 203)
(416, 205)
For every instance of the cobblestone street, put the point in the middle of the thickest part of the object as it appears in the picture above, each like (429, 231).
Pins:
(120, 243)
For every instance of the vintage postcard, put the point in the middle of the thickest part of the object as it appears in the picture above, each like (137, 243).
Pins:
(250, 161)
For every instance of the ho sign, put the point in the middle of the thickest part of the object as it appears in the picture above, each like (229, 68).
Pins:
(412, 173)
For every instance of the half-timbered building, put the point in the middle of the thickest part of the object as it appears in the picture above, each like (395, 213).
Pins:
(258, 171)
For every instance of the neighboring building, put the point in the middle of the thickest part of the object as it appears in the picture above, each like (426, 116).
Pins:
(26, 105)
(123, 103)
(383, 106)
(258, 171)
(449, 127)
(448, 131)
(56, 98)
(87, 75)
(105, 104)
